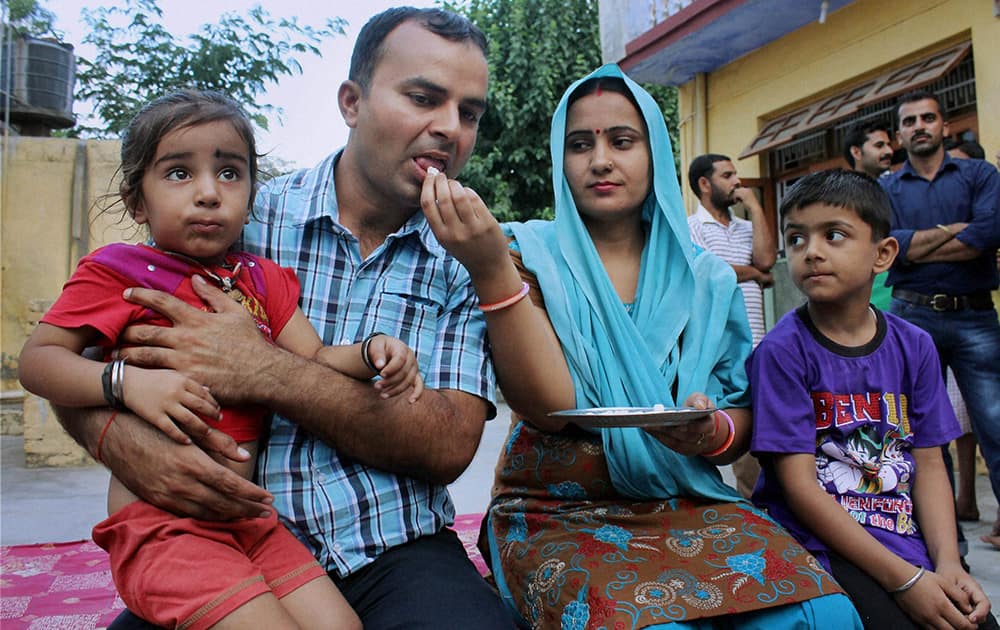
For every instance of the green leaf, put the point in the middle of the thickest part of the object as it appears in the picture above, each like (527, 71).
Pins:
(138, 60)
(537, 48)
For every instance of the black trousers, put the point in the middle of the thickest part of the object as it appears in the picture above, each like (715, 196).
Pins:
(428, 583)
(876, 607)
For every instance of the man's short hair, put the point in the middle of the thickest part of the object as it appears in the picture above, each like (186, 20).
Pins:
(703, 166)
(921, 95)
(369, 48)
(846, 189)
(857, 136)
(969, 147)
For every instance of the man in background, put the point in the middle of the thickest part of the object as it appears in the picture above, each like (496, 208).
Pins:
(868, 149)
(749, 246)
(946, 217)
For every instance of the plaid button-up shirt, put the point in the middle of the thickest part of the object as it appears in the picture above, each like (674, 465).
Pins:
(409, 287)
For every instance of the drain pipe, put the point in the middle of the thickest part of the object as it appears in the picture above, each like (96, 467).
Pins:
(700, 114)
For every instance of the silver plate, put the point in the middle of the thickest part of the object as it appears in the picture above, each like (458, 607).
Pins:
(658, 416)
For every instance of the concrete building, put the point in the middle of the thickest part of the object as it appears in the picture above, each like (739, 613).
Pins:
(48, 221)
(776, 83)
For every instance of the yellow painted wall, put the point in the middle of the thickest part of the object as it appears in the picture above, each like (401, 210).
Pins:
(859, 40)
(43, 180)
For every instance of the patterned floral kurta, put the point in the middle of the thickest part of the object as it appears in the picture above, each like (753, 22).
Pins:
(575, 554)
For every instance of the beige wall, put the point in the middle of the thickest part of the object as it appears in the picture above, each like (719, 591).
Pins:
(859, 40)
(47, 221)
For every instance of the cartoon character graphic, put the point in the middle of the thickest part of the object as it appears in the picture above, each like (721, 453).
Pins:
(864, 463)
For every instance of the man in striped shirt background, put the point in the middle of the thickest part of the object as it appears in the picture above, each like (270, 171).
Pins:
(749, 246)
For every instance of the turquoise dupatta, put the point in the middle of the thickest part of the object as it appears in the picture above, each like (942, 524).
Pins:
(687, 327)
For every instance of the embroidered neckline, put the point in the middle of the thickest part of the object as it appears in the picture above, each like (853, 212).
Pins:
(225, 283)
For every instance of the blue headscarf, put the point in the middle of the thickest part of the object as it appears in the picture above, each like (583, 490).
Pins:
(687, 327)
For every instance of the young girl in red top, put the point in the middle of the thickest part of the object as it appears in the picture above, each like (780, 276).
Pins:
(189, 165)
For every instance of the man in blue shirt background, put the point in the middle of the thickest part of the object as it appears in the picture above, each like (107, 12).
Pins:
(946, 217)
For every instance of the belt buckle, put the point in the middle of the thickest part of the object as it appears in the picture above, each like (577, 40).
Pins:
(942, 302)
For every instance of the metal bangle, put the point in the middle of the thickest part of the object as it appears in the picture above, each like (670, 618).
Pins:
(907, 585)
(113, 384)
(364, 351)
(109, 395)
(118, 382)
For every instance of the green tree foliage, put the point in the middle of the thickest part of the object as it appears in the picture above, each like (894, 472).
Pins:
(138, 59)
(28, 17)
(537, 49)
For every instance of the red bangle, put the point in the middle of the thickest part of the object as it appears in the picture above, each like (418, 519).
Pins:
(729, 438)
(511, 301)
(104, 431)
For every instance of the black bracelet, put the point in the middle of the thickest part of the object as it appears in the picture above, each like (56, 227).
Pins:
(109, 379)
(364, 351)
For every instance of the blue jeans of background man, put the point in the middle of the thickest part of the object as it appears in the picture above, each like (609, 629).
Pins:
(968, 342)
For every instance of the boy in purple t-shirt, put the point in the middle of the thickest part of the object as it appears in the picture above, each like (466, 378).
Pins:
(849, 404)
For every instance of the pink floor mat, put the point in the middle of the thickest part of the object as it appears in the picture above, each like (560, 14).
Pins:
(67, 586)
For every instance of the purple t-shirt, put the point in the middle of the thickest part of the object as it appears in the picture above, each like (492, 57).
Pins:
(860, 410)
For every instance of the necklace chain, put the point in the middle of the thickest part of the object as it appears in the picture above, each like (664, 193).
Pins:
(226, 284)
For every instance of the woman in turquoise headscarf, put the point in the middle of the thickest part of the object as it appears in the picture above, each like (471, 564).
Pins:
(621, 527)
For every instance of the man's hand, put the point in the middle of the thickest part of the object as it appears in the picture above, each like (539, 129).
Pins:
(748, 198)
(464, 226)
(221, 348)
(180, 479)
(765, 279)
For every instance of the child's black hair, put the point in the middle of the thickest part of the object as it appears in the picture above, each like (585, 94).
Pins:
(841, 188)
(177, 110)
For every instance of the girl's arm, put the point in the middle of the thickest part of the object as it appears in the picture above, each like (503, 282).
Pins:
(299, 336)
(934, 513)
(394, 360)
(51, 367)
(928, 602)
(529, 361)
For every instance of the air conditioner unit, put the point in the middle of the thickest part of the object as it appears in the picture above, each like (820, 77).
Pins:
(36, 81)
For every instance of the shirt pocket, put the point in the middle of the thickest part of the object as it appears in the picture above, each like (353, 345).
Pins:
(407, 308)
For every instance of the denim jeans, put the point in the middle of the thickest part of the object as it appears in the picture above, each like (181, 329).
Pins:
(969, 343)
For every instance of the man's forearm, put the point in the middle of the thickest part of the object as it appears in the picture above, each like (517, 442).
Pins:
(765, 244)
(951, 251)
(349, 415)
(745, 273)
(924, 243)
(83, 424)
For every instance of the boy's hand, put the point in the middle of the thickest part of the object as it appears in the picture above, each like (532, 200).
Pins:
(938, 602)
(171, 402)
(397, 366)
(973, 600)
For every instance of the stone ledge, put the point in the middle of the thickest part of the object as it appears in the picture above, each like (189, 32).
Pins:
(46, 444)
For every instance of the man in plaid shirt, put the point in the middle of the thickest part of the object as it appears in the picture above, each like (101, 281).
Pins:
(359, 478)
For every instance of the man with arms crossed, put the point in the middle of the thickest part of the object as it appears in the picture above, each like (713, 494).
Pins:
(748, 246)
(360, 478)
(946, 217)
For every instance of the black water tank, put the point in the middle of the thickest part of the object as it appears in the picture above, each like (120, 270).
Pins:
(36, 80)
